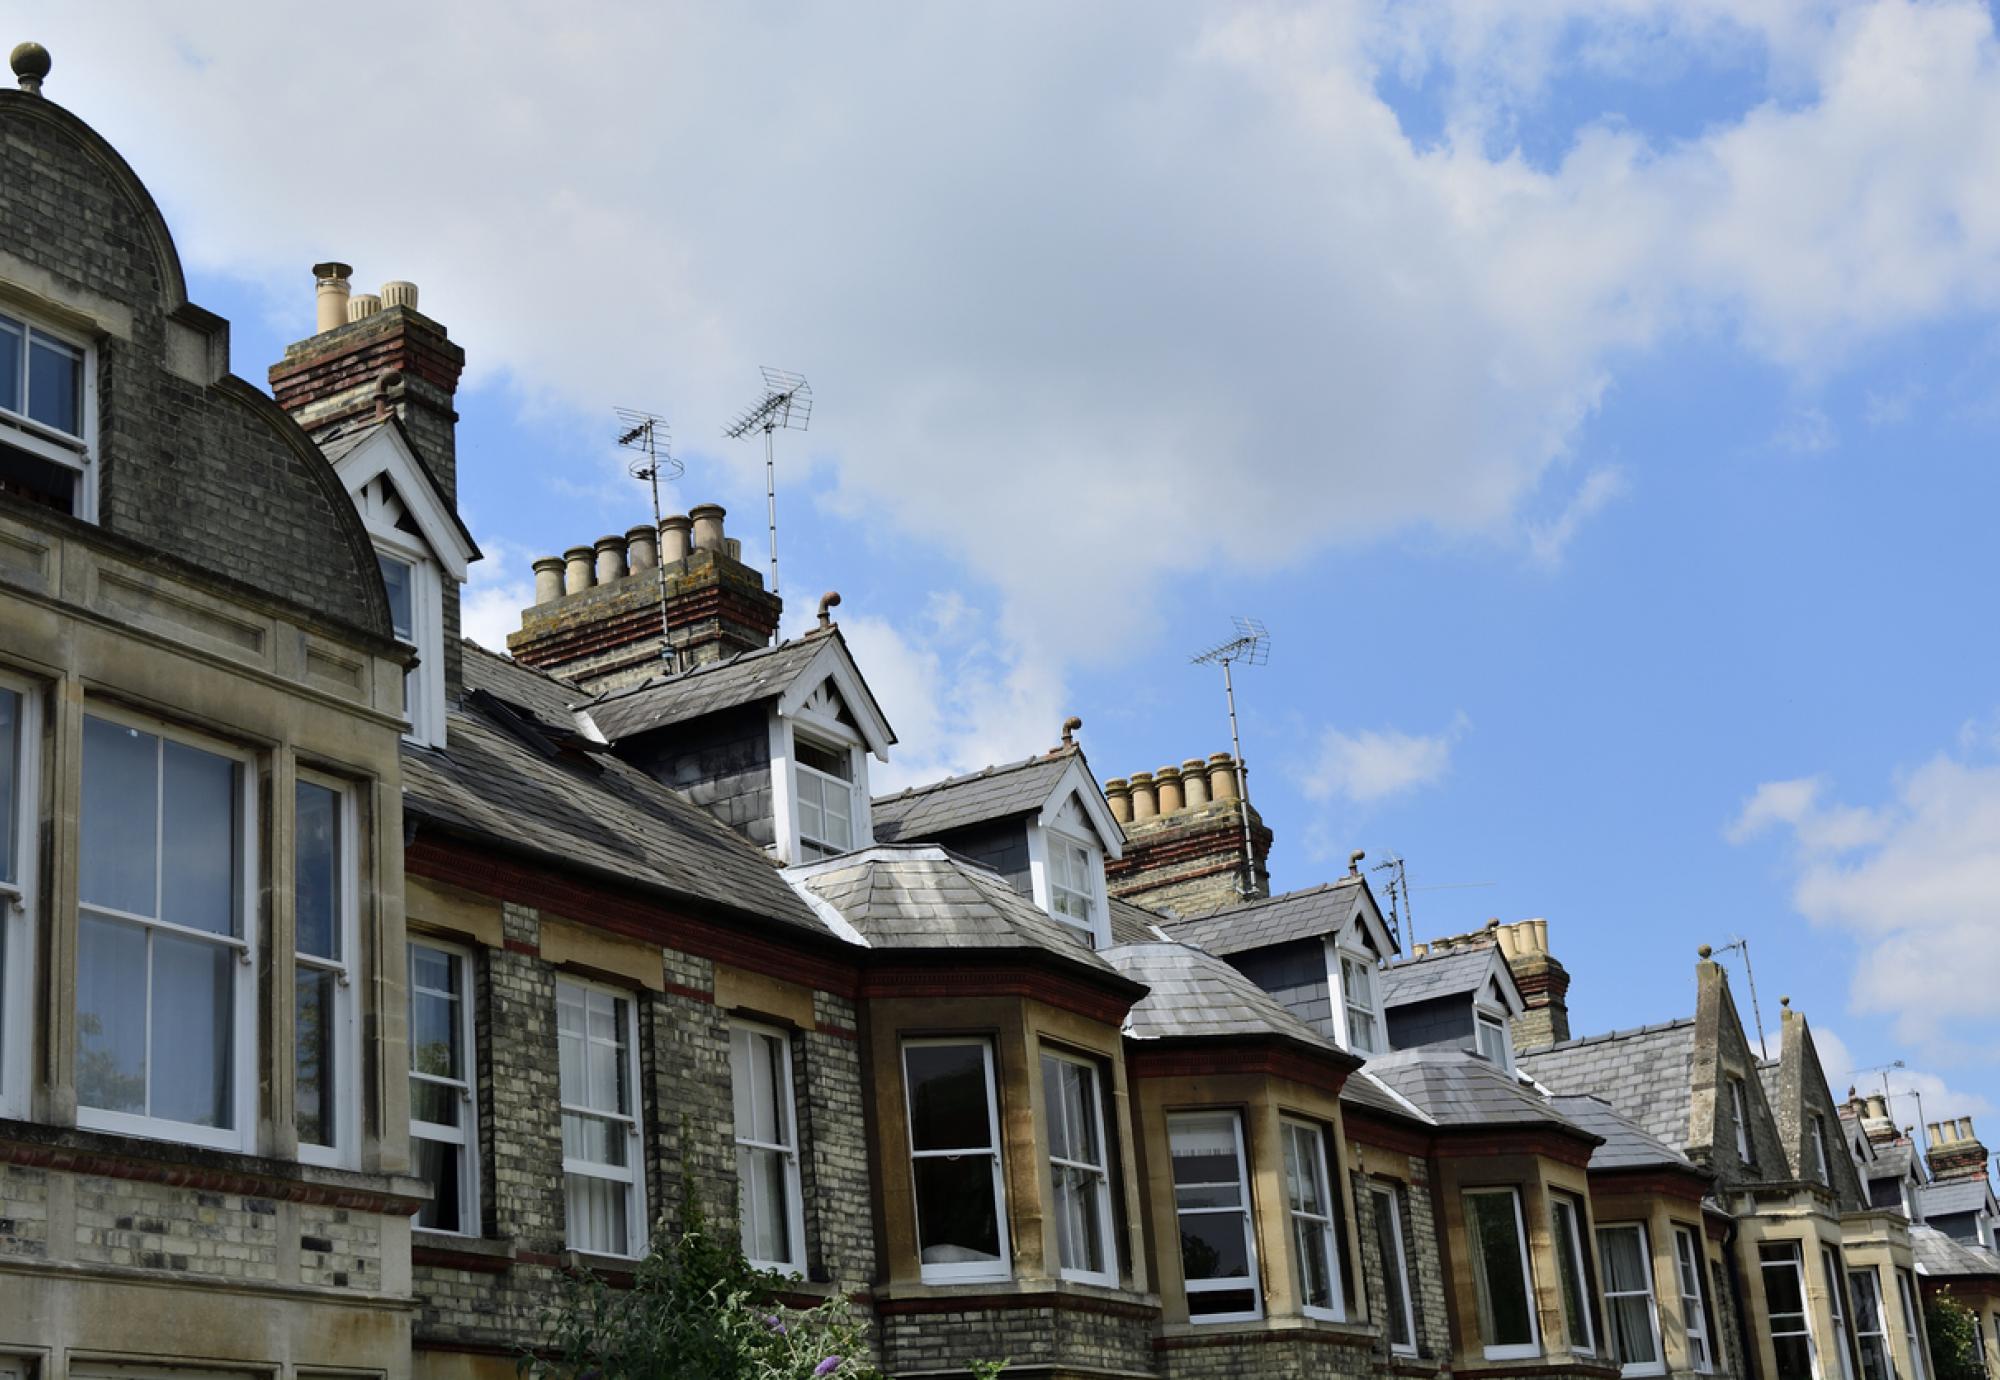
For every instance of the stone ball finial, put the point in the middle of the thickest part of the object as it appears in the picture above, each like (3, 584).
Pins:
(31, 63)
(1785, 1002)
(1704, 951)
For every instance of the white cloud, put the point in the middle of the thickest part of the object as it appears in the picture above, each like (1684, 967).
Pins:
(1045, 263)
(494, 594)
(1915, 880)
(1909, 1088)
(1379, 764)
(1548, 540)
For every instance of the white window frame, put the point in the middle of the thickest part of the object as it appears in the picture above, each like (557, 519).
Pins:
(1658, 1365)
(828, 735)
(1339, 955)
(1858, 1296)
(1836, 1278)
(1689, 1273)
(1294, 1131)
(1574, 1250)
(1045, 844)
(1107, 1245)
(18, 907)
(633, 1171)
(245, 1067)
(77, 454)
(1485, 1018)
(1739, 1106)
(1396, 1275)
(344, 1153)
(1794, 1260)
(1914, 1331)
(464, 1136)
(423, 709)
(786, 1114)
(959, 1271)
(1824, 1166)
(1511, 1351)
(1252, 1281)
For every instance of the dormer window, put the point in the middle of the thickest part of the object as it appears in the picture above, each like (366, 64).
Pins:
(1495, 1045)
(1066, 868)
(47, 419)
(1360, 1007)
(825, 776)
(416, 614)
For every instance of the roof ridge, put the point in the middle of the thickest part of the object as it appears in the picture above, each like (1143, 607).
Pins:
(1348, 880)
(1608, 1036)
(695, 672)
(508, 660)
(982, 774)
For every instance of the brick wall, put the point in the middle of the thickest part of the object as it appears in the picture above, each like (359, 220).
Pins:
(1069, 1341)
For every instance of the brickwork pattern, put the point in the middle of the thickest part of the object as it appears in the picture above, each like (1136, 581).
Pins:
(24, 1212)
(1269, 1358)
(687, 1069)
(1068, 1341)
(150, 1226)
(183, 465)
(840, 1235)
(340, 1249)
(1189, 862)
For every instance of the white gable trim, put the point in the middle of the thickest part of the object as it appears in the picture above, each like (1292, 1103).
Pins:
(1367, 919)
(1076, 782)
(385, 452)
(832, 663)
(1498, 971)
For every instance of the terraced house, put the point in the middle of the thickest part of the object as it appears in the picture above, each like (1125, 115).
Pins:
(359, 983)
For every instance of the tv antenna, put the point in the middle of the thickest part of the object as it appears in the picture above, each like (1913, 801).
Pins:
(646, 433)
(1742, 945)
(1252, 647)
(1398, 881)
(787, 403)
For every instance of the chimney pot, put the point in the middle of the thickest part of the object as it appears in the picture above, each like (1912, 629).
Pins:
(399, 294)
(642, 548)
(675, 541)
(331, 289)
(576, 569)
(707, 519)
(1932, 1128)
(1167, 782)
(1145, 804)
(1878, 1106)
(31, 63)
(1965, 1128)
(363, 305)
(1541, 928)
(548, 579)
(1509, 944)
(610, 559)
(1194, 782)
(1420, 950)
(1118, 795)
(1221, 776)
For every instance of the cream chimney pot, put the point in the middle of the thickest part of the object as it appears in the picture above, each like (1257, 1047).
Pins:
(1167, 782)
(610, 559)
(642, 548)
(399, 294)
(576, 569)
(548, 579)
(675, 541)
(331, 290)
(707, 519)
(1509, 943)
(1145, 804)
(1221, 776)
(1194, 782)
(363, 305)
(1541, 928)
(1118, 795)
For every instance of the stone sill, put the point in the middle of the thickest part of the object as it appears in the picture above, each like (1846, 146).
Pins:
(1177, 1336)
(69, 1149)
(475, 1254)
(912, 1297)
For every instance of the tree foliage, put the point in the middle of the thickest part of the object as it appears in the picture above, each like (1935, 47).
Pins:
(1954, 1339)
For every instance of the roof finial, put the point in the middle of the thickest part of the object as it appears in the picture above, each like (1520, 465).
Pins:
(1785, 1002)
(827, 603)
(1354, 862)
(31, 62)
(1070, 726)
(1704, 951)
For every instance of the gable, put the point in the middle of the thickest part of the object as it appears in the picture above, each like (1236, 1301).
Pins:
(397, 497)
(1722, 1051)
(829, 689)
(1077, 807)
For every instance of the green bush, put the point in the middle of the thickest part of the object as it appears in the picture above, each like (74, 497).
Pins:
(1954, 1339)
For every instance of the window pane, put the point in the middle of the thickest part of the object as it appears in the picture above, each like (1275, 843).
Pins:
(948, 1097)
(193, 982)
(435, 1020)
(594, 1139)
(1568, 1245)
(956, 1218)
(1389, 1248)
(1207, 1172)
(598, 1216)
(198, 874)
(767, 1232)
(317, 874)
(55, 384)
(1794, 1357)
(1079, 1219)
(111, 1015)
(437, 1103)
(120, 817)
(11, 349)
(10, 776)
(1214, 1245)
(1313, 1244)
(398, 578)
(833, 761)
(1505, 1318)
(439, 1165)
(1213, 1301)
(317, 1047)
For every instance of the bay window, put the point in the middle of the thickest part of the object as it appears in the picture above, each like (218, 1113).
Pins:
(1836, 1304)
(19, 743)
(47, 419)
(1212, 1206)
(825, 781)
(1079, 1169)
(1310, 1200)
(603, 1169)
(326, 1046)
(444, 1131)
(1694, 1299)
(961, 1200)
(1631, 1315)
(164, 1001)
(1400, 1323)
(767, 1148)
(1783, 1268)
(1871, 1327)
(1497, 1240)
(1566, 1216)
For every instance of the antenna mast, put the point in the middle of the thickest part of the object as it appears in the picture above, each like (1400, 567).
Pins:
(1252, 647)
(787, 403)
(647, 434)
(1743, 946)
(1398, 881)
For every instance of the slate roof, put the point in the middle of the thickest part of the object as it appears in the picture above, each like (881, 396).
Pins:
(917, 897)
(924, 812)
(1460, 972)
(1455, 1088)
(1954, 1196)
(1892, 1161)
(515, 772)
(1194, 995)
(1626, 1144)
(1276, 920)
(1644, 1074)
(745, 678)
(1363, 1089)
(1938, 1255)
(1132, 924)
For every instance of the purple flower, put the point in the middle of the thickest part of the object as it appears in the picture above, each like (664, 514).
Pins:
(827, 1367)
(775, 1323)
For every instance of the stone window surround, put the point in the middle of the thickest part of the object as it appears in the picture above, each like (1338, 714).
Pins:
(1533, 1176)
(345, 1152)
(1667, 1217)
(1807, 1236)
(1648, 1253)
(1105, 1172)
(76, 453)
(18, 904)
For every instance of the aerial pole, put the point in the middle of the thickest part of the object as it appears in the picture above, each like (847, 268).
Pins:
(787, 404)
(1252, 647)
(1742, 945)
(646, 433)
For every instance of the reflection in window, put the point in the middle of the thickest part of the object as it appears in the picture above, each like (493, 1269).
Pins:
(767, 1148)
(1400, 1323)
(1785, 1305)
(1310, 1199)
(1212, 1204)
(1566, 1214)
(596, 1034)
(323, 1017)
(1628, 1297)
(443, 1136)
(1078, 1169)
(955, 1159)
(1499, 1249)
(1871, 1328)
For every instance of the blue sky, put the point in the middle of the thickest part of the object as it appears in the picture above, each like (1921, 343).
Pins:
(1596, 401)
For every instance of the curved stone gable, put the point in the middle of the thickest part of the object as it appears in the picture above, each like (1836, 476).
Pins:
(194, 462)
